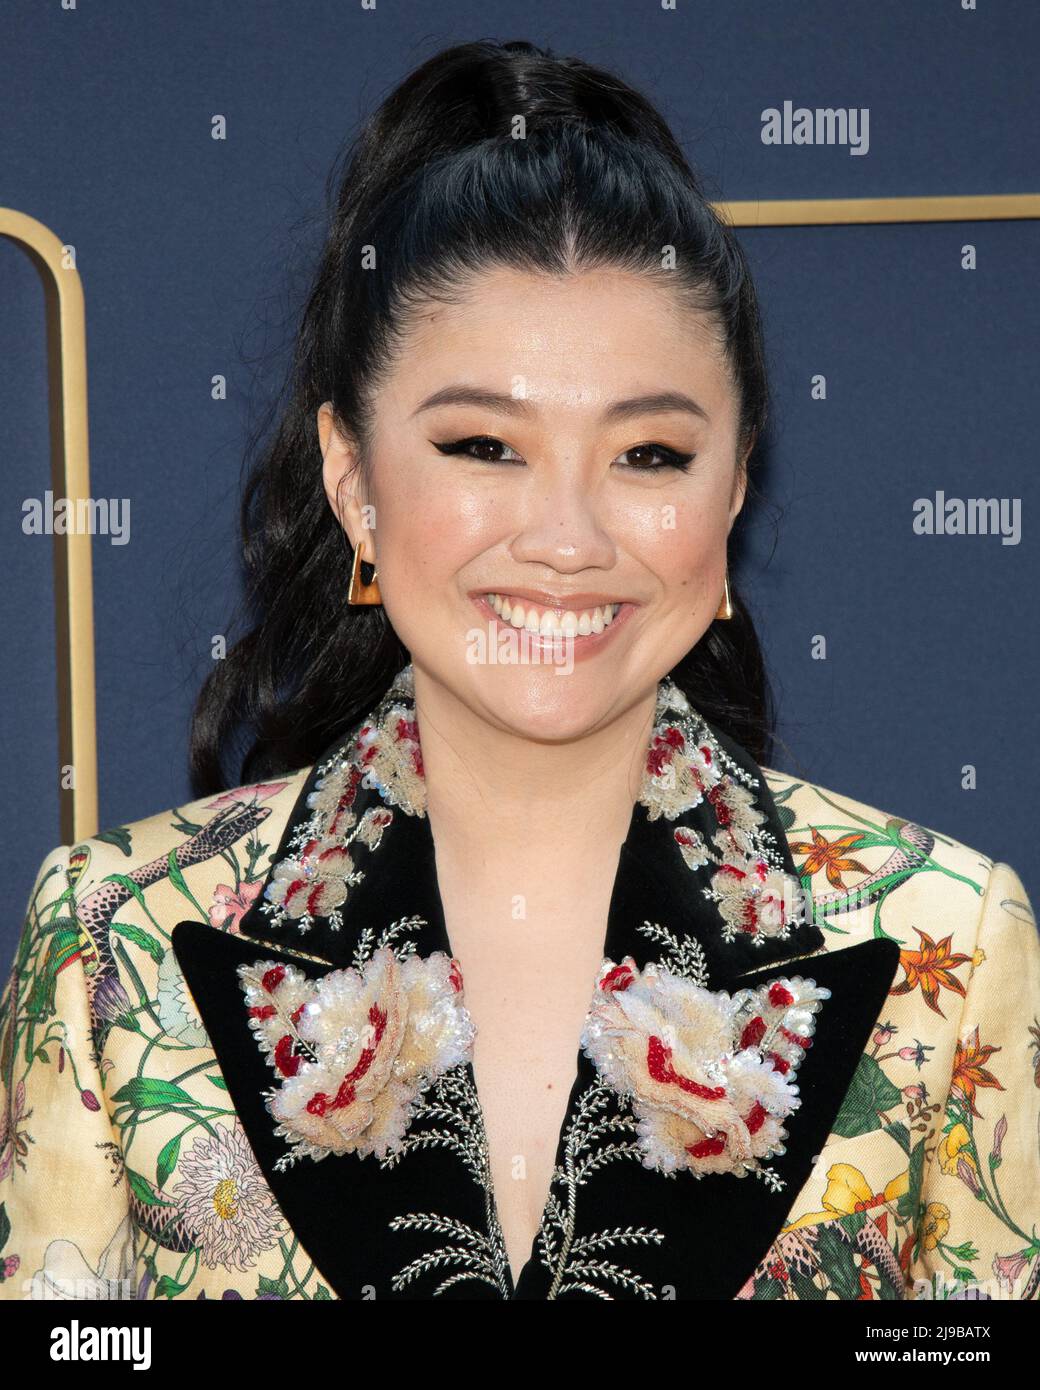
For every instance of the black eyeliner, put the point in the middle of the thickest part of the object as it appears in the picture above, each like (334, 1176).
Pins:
(671, 458)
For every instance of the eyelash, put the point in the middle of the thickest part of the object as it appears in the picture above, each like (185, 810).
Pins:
(672, 458)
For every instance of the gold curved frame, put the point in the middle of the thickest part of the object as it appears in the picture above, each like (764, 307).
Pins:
(70, 472)
(70, 477)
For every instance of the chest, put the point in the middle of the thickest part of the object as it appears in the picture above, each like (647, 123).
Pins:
(529, 962)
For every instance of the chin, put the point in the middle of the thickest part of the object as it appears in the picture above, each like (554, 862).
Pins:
(547, 703)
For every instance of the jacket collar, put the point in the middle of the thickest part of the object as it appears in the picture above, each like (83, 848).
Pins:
(357, 858)
(368, 792)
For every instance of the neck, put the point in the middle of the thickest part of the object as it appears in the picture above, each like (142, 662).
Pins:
(484, 783)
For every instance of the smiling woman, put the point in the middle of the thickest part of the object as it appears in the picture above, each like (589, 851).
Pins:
(516, 976)
(613, 455)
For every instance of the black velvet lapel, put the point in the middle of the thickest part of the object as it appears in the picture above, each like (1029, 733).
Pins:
(715, 1228)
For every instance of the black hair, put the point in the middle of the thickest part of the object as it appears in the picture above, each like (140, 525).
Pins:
(488, 154)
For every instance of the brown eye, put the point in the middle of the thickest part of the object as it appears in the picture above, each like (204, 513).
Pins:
(490, 450)
(640, 456)
(483, 447)
(649, 458)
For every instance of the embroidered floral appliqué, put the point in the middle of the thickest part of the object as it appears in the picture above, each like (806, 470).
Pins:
(315, 879)
(355, 1048)
(686, 766)
(375, 1060)
(687, 1079)
(710, 1074)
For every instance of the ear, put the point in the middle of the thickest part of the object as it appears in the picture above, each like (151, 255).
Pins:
(341, 476)
(740, 482)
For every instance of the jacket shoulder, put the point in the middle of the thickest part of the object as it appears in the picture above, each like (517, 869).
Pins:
(205, 859)
(811, 804)
(872, 871)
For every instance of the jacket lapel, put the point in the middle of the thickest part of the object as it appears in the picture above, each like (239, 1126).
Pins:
(424, 1223)
(716, 1228)
(344, 1208)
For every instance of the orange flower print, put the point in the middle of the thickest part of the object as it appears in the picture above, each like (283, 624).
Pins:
(969, 1069)
(932, 968)
(830, 856)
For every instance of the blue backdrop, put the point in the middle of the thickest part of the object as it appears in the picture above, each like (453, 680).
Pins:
(194, 254)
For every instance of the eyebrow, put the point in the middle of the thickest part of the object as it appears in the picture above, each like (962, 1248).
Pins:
(654, 403)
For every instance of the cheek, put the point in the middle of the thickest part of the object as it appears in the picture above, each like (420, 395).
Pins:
(682, 542)
(429, 526)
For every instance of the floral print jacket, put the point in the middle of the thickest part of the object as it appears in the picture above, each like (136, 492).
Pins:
(235, 1057)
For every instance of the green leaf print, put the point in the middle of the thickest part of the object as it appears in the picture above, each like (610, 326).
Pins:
(141, 938)
(870, 1094)
(148, 1093)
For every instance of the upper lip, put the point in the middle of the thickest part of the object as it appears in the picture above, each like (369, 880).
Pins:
(576, 602)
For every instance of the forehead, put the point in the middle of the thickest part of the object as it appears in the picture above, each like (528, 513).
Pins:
(576, 339)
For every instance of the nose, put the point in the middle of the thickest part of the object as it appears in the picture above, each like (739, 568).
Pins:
(559, 524)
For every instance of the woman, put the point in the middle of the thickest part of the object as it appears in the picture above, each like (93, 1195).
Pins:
(314, 1036)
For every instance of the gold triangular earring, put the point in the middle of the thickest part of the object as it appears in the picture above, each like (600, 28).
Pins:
(725, 609)
(360, 592)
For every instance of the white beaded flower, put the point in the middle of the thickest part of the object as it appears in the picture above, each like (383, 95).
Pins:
(755, 898)
(710, 1074)
(355, 1049)
(686, 766)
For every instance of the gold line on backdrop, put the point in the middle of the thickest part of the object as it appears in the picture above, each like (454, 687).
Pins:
(70, 477)
(70, 471)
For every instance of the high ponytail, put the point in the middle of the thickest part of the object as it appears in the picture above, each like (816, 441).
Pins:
(440, 183)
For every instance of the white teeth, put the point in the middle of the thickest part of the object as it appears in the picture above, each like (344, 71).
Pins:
(547, 623)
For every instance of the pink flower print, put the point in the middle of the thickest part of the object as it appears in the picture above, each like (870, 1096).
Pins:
(14, 1142)
(1008, 1269)
(229, 906)
(258, 791)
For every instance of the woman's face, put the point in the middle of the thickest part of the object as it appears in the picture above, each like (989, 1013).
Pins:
(581, 396)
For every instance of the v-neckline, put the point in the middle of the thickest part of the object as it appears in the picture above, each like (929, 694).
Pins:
(515, 1282)
(375, 773)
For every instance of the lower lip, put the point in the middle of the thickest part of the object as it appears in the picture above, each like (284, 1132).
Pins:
(582, 647)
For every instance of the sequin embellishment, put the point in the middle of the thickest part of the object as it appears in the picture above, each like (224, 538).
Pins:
(710, 1074)
(685, 766)
(315, 879)
(355, 1049)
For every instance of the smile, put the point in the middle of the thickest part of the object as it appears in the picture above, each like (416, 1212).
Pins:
(552, 622)
(585, 625)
